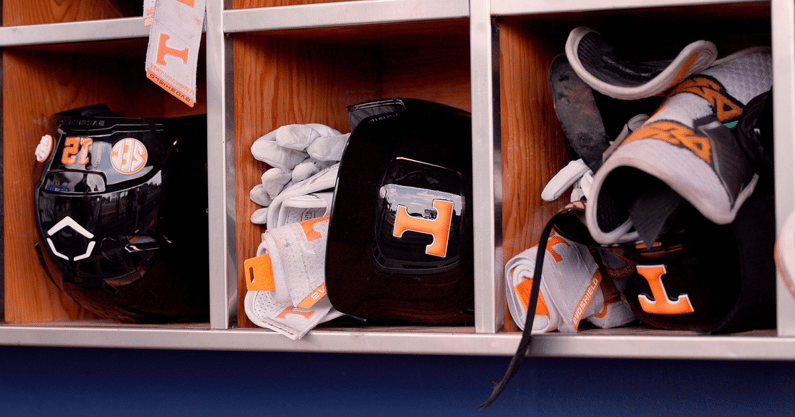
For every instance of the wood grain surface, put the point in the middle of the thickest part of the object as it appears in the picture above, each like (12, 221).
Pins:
(532, 140)
(29, 12)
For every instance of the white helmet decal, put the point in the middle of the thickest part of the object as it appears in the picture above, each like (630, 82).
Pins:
(70, 222)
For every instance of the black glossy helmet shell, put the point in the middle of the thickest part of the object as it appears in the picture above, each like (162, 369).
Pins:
(400, 234)
(698, 275)
(121, 214)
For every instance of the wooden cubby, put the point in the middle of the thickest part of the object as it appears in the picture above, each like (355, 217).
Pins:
(532, 140)
(268, 63)
(320, 73)
(41, 81)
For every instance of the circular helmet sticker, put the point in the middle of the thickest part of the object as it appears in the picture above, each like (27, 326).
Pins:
(128, 156)
(44, 148)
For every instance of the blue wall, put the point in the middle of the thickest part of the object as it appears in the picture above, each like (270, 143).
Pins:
(38, 381)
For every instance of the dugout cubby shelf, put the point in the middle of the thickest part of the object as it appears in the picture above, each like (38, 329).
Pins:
(344, 65)
(47, 79)
(266, 63)
(528, 42)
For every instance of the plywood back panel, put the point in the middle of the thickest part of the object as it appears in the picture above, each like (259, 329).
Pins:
(532, 140)
(29, 12)
(434, 74)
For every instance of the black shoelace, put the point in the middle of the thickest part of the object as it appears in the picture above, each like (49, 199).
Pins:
(524, 343)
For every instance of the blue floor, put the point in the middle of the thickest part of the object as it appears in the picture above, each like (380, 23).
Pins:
(38, 381)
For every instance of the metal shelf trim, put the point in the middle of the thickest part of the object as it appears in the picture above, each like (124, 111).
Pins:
(486, 191)
(83, 31)
(220, 171)
(509, 7)
(342, 14)
(783, 31)
(556, 345)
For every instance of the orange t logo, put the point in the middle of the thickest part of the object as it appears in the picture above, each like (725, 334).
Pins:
(661, 304)
(554, 240)
(439, 227)
(163, 50)
(309, 230)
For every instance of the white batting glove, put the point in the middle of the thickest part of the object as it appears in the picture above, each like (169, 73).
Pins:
(295, 152)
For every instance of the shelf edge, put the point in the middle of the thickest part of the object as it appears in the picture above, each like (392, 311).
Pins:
(341, 14)
(509, 7)
(67, 32)
(444, 343)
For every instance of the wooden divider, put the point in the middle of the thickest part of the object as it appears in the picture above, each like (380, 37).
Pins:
(29, 12)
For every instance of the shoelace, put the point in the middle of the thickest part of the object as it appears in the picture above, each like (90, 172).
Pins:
(524, 342)
(565, 178)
